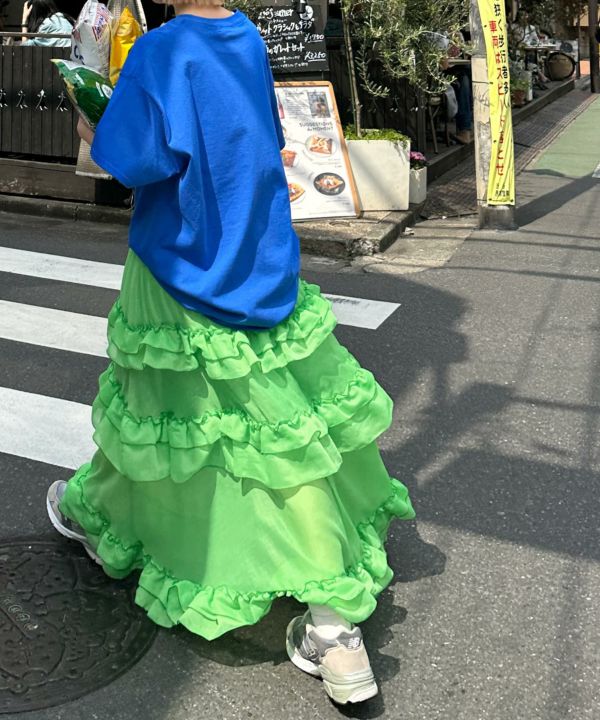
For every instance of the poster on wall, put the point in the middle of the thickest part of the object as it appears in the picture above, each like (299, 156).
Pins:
(501, 181)
(315, 156)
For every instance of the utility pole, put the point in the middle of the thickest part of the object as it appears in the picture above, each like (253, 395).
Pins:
(488, 133)
(594, 56)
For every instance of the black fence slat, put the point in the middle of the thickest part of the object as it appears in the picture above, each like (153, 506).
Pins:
(29, 98)
(7, 84)
(3, 103)
(20, 99)
(38, 138)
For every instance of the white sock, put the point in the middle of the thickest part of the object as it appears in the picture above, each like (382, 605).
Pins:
(327, 622)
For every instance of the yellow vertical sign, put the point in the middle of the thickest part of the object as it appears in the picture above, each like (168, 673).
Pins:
(501, 181)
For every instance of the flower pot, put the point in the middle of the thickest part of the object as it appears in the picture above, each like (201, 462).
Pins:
(418, 186)
(518, 98)
(381, 170)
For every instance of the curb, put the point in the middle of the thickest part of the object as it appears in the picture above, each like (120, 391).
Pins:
(340, 239)
(44, 207)
(352, 238)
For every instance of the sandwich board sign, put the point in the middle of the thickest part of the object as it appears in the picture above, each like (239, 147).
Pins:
(315, 156)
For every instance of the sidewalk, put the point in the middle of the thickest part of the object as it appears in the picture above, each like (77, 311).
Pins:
(455, 195)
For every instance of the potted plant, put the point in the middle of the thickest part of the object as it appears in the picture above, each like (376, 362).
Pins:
(381, 168)
(387, 41)
(518, 91)
(418, 178)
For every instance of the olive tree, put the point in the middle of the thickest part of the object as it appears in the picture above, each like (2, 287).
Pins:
(389, 40)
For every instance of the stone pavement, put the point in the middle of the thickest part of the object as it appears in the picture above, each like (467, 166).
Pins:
(493, 361)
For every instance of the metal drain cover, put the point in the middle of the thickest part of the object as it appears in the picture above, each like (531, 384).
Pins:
(65, 627)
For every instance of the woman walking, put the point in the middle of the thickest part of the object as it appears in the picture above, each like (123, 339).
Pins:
(236, 456)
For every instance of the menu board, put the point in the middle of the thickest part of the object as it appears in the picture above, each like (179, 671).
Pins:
(295, 39)
(315, 156)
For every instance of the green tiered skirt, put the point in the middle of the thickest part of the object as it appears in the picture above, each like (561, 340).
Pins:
(235, 467)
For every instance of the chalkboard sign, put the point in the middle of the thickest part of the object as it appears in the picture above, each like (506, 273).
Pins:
(295, 37)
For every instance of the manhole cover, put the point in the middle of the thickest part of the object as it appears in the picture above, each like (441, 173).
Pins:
(65, 627)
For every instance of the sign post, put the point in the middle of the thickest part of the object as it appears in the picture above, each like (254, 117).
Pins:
(494, 145)
(594, 59)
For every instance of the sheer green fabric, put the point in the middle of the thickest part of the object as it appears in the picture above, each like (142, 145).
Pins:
(236, 467)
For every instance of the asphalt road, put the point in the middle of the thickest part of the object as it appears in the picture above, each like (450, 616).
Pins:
(494, 364)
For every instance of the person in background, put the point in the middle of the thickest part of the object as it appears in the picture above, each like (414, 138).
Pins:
(42, 16)
(462, 86)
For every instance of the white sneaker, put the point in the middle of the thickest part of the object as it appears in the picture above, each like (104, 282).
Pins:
(62, 523)
(342, 663)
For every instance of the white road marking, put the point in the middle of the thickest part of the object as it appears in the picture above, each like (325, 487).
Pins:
(53, 328)
(57, 267)
(596, 173)
(46, 429)
(357, 312)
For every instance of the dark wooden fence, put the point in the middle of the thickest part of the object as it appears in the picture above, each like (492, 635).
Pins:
(403, 110)
(36, 118)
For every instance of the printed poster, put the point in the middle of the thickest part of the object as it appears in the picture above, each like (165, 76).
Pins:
(315, 156)
(501, 181)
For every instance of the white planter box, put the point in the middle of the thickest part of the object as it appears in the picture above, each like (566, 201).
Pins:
(381, 170)
(418, 186)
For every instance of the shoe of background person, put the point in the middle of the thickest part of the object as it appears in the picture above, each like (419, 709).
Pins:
(342, 663)
(62, 523)
(464, 137)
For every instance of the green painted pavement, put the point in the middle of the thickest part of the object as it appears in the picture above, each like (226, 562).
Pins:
(575, 153)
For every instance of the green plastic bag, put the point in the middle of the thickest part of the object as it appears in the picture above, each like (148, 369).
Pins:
(87, 89)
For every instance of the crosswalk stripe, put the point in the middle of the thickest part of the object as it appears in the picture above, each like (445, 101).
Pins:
(49, 430)
(353, 311)
(360, 312)
(51, 328)
(58, 267)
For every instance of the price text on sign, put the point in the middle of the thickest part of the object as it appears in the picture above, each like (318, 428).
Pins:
(501, 181)
(295, 42)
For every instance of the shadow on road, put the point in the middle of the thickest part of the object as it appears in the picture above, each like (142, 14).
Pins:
(555, 199)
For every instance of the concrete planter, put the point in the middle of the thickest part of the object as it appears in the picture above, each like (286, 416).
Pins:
(418, 186)
(381, 169)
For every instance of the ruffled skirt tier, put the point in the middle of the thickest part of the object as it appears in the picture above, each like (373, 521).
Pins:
(235, 467)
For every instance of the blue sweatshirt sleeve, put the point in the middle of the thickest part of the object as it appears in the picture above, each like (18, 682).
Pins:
(131, 141)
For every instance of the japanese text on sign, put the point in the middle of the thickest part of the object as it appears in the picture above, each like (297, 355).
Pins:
(295, 42)
(501, 181)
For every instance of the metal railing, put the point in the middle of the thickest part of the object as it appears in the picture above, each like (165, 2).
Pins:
(9, 34)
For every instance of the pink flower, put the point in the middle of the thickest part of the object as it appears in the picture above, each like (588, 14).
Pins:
(417, 160)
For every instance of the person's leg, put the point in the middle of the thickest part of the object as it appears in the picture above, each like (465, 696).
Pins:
(322, 643)
(464, 116)
(327, 622)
